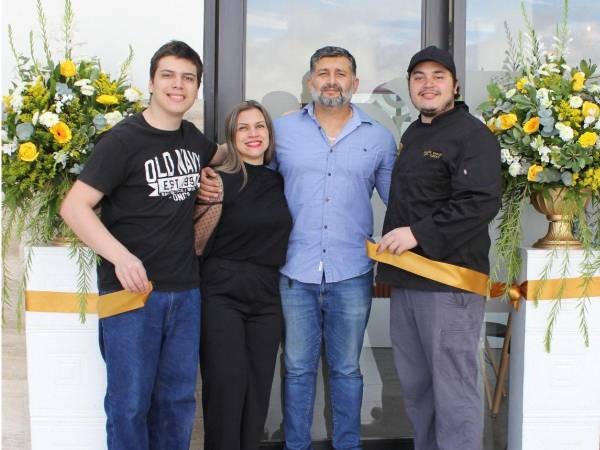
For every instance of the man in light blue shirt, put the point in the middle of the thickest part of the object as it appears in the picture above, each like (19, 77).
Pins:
(331, 155)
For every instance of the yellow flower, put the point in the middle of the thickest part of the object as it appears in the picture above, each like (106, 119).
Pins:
(61, 133)
(6, 100)
(521, 84)
(533, 171)
(67, 68)
(28, 151)
(588, 139)
(507, 121)
(578, 80)
(590, 109)
(106, 99)
(491, 124)
(532, 125)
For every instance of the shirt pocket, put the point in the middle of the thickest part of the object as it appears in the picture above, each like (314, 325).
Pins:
(360, 160)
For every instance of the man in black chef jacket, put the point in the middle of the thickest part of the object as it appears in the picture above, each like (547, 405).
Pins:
(446, 188)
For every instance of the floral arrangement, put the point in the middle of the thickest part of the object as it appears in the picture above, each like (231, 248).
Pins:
(52, 117)
(546, 116)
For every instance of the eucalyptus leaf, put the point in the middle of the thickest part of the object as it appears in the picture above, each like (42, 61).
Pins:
(24, 131)
(567, 178)
(550, 175)
(99, 121)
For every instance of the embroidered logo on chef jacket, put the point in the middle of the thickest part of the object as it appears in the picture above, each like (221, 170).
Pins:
(432, 154)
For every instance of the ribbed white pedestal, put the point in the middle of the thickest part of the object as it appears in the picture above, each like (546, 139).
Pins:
(66, 374)
(554, 398)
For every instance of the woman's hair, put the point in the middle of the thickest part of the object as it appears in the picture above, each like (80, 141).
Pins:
(233, 162)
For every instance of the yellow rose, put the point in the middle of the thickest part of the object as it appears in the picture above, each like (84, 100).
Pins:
(491, 124)
(107, 100)
(521, 84)
(533, 171)
(532, 125)
(578, 80)
(507, 121)
(28, 151)
(67, 68)
(61, 133)
(588, 139)
(590, 109)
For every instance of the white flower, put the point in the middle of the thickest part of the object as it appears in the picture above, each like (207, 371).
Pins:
(87, 90)
(545, 153)
(588, 121)
(10, 148)
(566, 132)
(82, 82)
(506, 156)
(597, 126)
(594, 88)
(132, 94)
(34, 119)
(48, 119)
(58, 107)
(16, 102)
(511, 93)
(566, 68)
(514, 169)
(61, 158)
(112, 118)
(575, 101)
(543, 97)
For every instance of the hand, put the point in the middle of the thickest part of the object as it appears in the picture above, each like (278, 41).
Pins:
(131, 273)
(210, 188)
(397, 241)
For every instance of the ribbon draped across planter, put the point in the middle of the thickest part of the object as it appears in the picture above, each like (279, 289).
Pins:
(477, 282)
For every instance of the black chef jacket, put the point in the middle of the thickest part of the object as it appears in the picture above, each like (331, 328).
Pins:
(446, 185)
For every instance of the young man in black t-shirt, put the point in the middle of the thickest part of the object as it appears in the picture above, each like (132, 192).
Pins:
(144, 173)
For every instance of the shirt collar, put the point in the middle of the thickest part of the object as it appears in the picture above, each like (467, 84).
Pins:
(446, 115)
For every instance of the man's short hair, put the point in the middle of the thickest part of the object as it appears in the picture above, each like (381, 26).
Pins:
(330, 52)
(179, 49)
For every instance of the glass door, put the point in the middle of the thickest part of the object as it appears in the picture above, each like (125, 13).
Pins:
(281, 35)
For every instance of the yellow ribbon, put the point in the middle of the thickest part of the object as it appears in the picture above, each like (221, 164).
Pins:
(477, 282)
(68, 302)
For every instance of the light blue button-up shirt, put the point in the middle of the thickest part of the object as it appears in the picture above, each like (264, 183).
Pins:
(328, 187)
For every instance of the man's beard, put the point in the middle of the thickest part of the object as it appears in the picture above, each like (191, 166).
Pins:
(332, 102)
(432, 112)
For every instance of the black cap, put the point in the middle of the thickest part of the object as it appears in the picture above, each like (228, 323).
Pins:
(433, 53)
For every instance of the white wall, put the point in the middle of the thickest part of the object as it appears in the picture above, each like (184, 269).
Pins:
(104, 29)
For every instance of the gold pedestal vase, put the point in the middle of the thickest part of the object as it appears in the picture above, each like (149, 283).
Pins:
(559, 208)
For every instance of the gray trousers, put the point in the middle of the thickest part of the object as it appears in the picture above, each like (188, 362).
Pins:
(435, 337)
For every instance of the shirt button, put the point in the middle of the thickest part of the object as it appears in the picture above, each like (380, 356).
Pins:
(324, 251)
(327, 199)
(330, 150)
(325, 227)
(328, 174)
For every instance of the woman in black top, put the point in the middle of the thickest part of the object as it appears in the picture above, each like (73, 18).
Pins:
(241, 307)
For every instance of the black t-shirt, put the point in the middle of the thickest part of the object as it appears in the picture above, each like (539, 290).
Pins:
(149, 178)
(255, 224)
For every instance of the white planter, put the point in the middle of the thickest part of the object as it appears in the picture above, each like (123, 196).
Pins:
(554, 398)
(66, 374)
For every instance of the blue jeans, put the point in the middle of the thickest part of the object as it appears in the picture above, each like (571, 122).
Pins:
(151, 357)
(337, 312)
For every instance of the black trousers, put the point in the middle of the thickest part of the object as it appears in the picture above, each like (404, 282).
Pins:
(241, 331)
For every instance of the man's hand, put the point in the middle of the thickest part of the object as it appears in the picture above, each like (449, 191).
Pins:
(209, 185)
(131, 273)
(397, 241)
